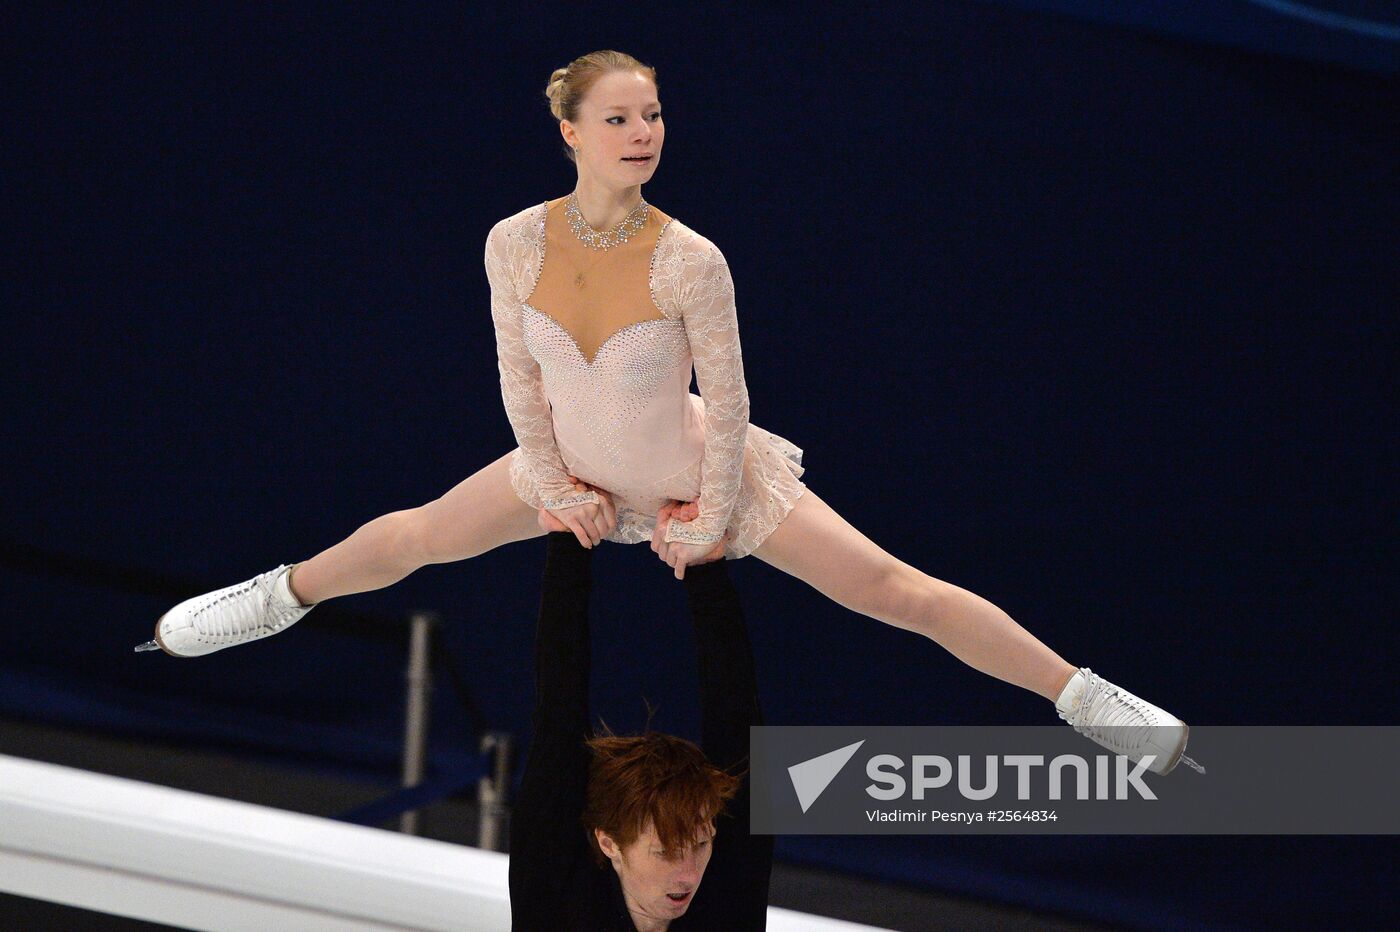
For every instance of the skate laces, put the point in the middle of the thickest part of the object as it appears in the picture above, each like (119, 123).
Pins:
(227, 615)
(1115, 717)
(1110, 715)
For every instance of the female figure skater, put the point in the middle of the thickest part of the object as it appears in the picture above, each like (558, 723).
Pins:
(601, 304)
(617, 832)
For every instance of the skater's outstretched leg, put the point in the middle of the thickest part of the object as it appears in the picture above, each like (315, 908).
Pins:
(479, 514)
(819, 547)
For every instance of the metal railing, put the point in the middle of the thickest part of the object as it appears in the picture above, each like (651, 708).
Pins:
(426, 651)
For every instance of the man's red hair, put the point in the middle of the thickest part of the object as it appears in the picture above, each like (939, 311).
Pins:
(656, 778)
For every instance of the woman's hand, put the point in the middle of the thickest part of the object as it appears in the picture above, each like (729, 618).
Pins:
(589, 522)
(680, 555)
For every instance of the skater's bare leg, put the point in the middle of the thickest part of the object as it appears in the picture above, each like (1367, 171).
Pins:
(819, 547)
(480, 513)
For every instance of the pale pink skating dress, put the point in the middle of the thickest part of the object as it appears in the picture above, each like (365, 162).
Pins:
(595, 350)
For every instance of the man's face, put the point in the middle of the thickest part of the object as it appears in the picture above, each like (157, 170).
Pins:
(657, 883)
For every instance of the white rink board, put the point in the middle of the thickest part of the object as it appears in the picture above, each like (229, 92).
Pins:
(201, 862)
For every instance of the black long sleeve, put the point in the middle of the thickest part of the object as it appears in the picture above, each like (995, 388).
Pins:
(549, 852)
(734, 891)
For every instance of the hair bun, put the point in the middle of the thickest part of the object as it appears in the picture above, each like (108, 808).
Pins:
(567, 86)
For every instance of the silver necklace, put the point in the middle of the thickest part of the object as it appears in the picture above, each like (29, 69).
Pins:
(605, 239)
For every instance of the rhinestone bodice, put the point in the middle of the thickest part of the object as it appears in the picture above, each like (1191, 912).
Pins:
(634, 387)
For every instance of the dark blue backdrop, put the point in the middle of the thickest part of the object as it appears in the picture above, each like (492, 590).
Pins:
(1095, 322)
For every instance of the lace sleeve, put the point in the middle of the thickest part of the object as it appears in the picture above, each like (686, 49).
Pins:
(522, 388)
(712, 327)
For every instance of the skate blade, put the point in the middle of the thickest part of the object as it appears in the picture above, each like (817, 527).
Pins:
(149, 645)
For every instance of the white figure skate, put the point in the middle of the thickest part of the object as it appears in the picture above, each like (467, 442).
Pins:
(256, 608)
(1123, 723)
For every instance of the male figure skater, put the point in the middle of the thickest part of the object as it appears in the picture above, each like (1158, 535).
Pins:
(617, 833)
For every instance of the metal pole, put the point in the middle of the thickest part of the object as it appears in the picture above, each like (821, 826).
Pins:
(420, 687)
(491, 792)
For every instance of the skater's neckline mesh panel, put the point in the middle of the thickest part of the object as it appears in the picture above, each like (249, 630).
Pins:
(593, 294)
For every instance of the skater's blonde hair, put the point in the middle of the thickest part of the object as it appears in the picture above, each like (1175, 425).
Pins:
(569, 85)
